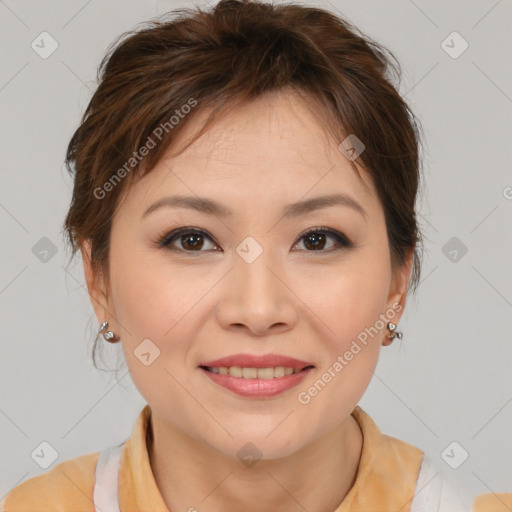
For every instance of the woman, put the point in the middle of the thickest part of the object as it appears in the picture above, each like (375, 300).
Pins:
(244, 204)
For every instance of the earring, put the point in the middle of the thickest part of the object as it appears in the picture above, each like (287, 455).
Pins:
(391, 326)
(109, 335)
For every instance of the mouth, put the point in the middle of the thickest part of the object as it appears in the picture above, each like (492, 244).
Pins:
(254, 382)
(268, 373)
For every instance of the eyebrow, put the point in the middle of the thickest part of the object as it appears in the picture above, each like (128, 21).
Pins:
(211, 207)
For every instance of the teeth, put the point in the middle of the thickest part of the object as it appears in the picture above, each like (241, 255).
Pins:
(236, 371)
(250, 373)
(254, 373)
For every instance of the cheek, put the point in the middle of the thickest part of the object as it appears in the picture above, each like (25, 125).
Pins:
(156, 301)
(360, 300)
(351, 297)
(350, 307)
(151, 303)
(152, 297)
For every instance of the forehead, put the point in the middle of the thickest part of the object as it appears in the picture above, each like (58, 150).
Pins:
(273, 148)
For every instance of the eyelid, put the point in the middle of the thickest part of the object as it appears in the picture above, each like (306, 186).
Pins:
(343, 241)
(164, 240)
(325, 230)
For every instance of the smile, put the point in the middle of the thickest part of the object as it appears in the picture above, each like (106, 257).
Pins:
(253, 373)
(253, 382)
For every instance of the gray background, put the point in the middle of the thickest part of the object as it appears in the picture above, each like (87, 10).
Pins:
(448, 380)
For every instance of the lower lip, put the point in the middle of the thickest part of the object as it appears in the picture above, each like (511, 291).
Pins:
(258, 388)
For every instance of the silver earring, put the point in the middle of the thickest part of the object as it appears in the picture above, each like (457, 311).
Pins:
(109, 335)
(393, 335)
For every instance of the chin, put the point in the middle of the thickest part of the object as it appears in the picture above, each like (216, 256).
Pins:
(251, 447)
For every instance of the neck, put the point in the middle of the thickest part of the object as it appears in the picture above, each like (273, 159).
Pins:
(316, 478)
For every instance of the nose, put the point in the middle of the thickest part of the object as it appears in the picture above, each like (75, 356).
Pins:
(257, 299)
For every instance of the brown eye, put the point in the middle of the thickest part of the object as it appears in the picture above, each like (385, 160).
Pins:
(192, 241)
(188, 240)
(317, 239)
(196, 240)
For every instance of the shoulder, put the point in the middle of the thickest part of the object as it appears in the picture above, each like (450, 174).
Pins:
(493, 502)
(68, 486)
(455, 498)
(438, 490)
(385, 448)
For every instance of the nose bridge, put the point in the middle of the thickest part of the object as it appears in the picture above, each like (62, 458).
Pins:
(253, 264)
(257, 297)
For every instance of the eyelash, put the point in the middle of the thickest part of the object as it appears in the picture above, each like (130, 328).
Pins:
(166, 239)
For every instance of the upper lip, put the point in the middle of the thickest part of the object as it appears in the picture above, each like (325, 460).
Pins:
(257, 361)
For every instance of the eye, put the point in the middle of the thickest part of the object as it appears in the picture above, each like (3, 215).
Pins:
(189, 240)
(315, 240)
(193, 240)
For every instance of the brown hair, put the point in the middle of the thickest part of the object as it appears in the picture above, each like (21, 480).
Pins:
(219, 58)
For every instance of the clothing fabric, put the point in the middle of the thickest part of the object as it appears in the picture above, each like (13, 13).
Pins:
(392, 476)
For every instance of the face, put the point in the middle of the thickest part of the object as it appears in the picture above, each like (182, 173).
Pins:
(256, 278)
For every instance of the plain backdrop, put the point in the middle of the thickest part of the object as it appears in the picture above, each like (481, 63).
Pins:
(449, 380)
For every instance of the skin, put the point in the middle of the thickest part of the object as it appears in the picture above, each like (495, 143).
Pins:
(291, 300)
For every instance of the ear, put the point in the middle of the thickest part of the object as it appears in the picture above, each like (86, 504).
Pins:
(398, 290)
(95, 285)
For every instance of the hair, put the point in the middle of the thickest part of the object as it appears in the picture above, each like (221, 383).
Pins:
(216, 59)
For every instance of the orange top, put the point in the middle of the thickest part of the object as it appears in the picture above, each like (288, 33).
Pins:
(385, 481)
